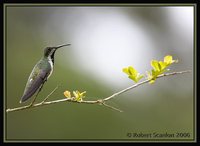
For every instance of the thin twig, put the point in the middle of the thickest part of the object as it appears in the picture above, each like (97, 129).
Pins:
(49, 95)
(101, 101)
(109, 106)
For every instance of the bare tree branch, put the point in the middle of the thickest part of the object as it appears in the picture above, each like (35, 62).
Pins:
(99, 101)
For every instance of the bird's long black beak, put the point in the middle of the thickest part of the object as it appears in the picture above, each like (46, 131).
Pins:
(62, 46)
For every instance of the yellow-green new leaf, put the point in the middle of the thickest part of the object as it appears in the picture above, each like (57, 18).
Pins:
(133, 78)
(82, 94)
(136, 78)
(163, 65)
(125, 70)
(152, 75)
(159, 67)
(132, 71)
(155, 65)
(169, 60)
(75, 94)
(67, 94)
(139, 77)
(152, 81)
(78, 95)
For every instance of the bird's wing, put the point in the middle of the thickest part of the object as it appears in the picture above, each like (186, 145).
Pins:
(36, 79)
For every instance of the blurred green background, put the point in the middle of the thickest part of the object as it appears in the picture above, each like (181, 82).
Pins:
(104, 40)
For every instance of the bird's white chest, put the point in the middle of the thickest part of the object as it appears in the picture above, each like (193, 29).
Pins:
(51, 64)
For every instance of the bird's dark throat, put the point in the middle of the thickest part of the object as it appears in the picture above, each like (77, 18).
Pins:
(52, 57)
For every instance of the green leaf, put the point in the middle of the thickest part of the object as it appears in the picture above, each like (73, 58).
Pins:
(79, 99)
(133, 78)
(153, 73)
(78, 95)
(159, 67)
(152, 81)
(125, 70)
(75, 94)
(169, 60)
(139, 77)
(150, 77)
(163, 65)
(132, 73)
(155, 65)
(82, 94)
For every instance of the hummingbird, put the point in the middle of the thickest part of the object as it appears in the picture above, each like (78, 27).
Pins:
(40, 73)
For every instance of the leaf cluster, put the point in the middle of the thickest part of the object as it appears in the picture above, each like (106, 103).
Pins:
(77, 95)
(159, 67)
